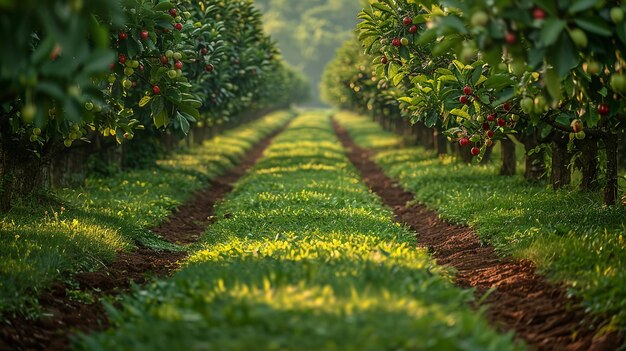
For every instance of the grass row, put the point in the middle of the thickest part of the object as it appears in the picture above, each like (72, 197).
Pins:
(302, 257)
(568, 234)
(42, 243)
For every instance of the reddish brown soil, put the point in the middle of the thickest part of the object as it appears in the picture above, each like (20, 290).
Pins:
(67, 317)
(538, 311)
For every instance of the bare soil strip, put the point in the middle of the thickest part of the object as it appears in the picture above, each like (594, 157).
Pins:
(65, 316)
(539, 312)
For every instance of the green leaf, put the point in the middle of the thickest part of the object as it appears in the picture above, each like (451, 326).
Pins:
(163, 6)
(453, 22)
(564, 56)
(161, 119)
(444, 71)
(460, 113)
(193, 112)
(382, 7)
(553, 84)
(581, 5)
(552, 28)
(184, 124)
(397, 79)
(394, 67)
(447, 78)
(594, 25)
(498, 82)
(99, 61)
(145, 100)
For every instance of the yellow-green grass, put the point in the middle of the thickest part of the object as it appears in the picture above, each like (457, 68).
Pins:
(568, 234)
(40, 244)
(302, 257)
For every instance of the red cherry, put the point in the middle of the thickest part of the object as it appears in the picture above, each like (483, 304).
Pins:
(164, 60)
(178, 65)
(209, 67)
(463, 142)
(467, 90)
(486, 126)
(384, 60)
(603, 109)
(501, 122)
(506, 107)
(538, 14)
(111, 66)
(488, 142)
(173, 12)
(144, 35)
(510, 38)
(178, 26)
(141, 67)
(407, 20)
(475, 151)
(122, 35)
(122, 59)
(491, 117)
(463, 99)
(396, 42)
(204, 51)
(490, 133)
(413, 29)
(156, 90)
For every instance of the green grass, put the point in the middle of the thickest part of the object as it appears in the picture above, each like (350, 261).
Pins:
(302, 257)
(40, 244)
(568, 234)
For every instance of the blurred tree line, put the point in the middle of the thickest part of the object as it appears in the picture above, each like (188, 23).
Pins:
(309, 32)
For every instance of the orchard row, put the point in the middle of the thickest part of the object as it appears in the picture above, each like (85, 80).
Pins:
(79, 70)
(547, 73)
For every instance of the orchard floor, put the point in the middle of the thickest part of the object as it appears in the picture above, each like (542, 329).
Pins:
(539, 313)
(519, 299)
(65, 316)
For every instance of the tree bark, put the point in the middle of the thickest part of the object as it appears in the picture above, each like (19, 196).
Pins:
(609, 197)
(588, 163)
(535, 167)
(441, 142)
(400, 126)
(509, 161)
(22, 174)
(429, 138)
(464, 153)
(561, 175)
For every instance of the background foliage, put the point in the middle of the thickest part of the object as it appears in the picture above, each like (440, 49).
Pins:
(309, 32)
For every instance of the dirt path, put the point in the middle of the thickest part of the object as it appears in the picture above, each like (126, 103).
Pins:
(539, 312)
(67, 316)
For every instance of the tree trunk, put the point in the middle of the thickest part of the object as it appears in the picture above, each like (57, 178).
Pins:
(441, 142)
(561, 175)
(609, 197)
(71, 167)
(535, 167)
(588, 163)
(22, 173)
(429, 138)
(407, 129)
(509, 161)
(400, 126)
(465, 153)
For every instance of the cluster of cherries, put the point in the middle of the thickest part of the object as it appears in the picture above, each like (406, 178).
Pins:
(486, 126)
